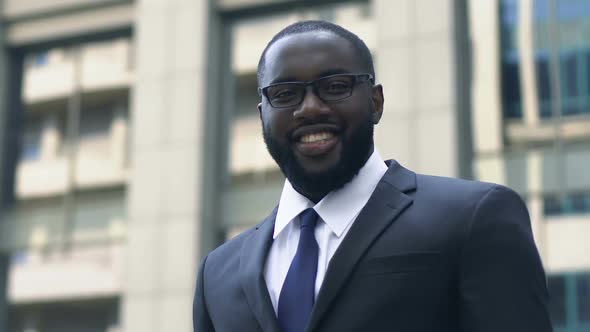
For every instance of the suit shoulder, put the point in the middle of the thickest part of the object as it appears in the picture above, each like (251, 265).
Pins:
(459, 187)
(231, 246)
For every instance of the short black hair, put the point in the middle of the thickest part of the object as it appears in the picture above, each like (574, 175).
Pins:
(358, 44)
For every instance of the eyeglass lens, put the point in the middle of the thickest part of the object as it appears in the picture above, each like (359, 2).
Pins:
(328, 89)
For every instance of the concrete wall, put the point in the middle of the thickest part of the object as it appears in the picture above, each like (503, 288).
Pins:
(3, 108)
(414, 59)
(168, 115)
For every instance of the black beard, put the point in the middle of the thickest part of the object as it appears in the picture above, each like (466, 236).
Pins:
(355, 152)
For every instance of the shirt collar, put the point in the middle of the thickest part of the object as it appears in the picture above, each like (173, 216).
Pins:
(340, 207)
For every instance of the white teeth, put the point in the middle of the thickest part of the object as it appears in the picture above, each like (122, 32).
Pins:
(316, 137)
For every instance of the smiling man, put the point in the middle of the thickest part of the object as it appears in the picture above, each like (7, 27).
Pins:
(357, 243)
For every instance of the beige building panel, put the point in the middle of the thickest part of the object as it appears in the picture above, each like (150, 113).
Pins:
(486, 107)
(250, 37)
(95, 217)
(435, 138)
(394, 70)
(43, 178)
(177, 249)
(247, 205)
(241, 4)
(180, 188)
(88, 272)
(434, 83)
(400, 18)
(567, 244)
(103, 66)
(248, 152)
(68, 25)
(490, 169)
(49, 82)
(186, 91)
(165, 192)
(528, 74)
(434, 18)
(394, 139)
(13, 9)
(176, 312)
(144, 245)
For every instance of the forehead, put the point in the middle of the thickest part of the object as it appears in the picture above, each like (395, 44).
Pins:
(309, 55)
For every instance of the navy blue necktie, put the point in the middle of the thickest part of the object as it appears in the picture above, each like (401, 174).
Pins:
(298, 292)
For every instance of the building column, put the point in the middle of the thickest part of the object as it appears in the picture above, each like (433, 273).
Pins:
(3, 291)
(164, 197)
(486, 94)
(415, 62)
(3, 117)
(528, 73)
(535, 201)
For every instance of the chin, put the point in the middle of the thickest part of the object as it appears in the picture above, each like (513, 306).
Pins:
(323, 176)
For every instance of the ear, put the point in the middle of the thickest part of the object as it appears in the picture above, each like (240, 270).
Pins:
(378, 100)
(259, 110)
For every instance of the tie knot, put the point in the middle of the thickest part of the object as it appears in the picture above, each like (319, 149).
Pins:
(308, 218)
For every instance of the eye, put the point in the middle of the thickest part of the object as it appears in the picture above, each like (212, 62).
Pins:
(335, 86)
(338, 85)
(283, 93)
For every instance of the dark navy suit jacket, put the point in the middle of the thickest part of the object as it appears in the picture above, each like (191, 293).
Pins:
(425, 254)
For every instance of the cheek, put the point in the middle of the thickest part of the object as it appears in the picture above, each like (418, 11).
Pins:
(275, 124)
(356, 114)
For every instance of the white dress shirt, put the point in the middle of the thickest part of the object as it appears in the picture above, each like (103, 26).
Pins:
(337, 212)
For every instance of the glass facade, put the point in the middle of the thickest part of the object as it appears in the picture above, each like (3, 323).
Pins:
(569, 204)
(554, 176)
(570, 302)
(572, 20)
(510, 66)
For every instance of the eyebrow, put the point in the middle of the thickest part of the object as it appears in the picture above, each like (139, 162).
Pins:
(328, 72)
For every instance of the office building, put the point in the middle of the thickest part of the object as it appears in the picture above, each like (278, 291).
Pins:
(132, 145)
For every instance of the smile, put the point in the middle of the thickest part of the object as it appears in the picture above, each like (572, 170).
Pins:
(312, 138)
(316, 144)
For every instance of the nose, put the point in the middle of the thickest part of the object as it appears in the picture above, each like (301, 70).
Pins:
(311, 105)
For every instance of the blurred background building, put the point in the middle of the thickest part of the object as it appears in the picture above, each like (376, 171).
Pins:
(131, 145)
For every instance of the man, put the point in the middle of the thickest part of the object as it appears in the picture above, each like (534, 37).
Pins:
(356, 243)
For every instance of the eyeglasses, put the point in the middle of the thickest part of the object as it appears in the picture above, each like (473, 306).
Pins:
(328, 88)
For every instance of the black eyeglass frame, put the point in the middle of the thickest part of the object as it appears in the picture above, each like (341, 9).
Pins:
(357, 79)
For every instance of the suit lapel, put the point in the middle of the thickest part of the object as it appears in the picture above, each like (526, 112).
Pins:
(252, 259)
(386, 203)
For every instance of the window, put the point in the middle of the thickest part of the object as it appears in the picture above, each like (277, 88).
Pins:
(95, 129)
(41, 59)
(583, 295)
(569, 301)
(570, 74)
(511, 94)
(557, 300)
(573, 25)
(511, 90)
(568, 204)
(543, 85)
(31, 140)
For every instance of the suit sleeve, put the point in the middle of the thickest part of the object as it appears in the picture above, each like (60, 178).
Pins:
(502, 283)
(201, 320)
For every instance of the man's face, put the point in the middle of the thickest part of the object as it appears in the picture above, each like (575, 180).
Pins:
(319, 145)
